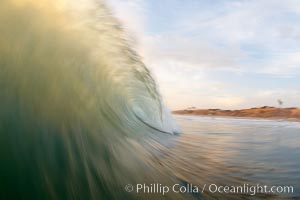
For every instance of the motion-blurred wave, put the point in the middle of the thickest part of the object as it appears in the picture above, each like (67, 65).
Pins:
(77, 105)
(81, 117)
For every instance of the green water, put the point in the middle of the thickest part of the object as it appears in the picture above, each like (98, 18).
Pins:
(81, 117)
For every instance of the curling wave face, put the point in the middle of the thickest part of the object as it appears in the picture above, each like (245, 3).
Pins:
(77, 105)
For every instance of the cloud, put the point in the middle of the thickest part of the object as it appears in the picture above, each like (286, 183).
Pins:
(188, 52)
(200, 52)
(287, 65)
(251, 32)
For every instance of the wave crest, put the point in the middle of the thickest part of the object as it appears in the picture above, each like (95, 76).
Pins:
(77, 103)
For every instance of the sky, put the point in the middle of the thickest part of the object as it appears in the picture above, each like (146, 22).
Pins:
(227, 54)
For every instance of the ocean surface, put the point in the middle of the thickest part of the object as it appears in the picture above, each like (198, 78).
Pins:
(237, 151)
(81, 117)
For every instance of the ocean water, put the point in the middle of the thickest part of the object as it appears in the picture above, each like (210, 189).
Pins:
(237, 151)
(81, 117)
(77, 104)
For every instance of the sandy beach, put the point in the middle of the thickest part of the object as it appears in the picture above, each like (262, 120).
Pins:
(265, 112)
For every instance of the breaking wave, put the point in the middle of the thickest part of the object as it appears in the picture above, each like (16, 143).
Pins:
(80, 113)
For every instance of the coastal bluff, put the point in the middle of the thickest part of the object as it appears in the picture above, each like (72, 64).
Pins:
(261, 112)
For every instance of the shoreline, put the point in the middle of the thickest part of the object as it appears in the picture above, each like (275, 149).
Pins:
(267, 113)
(245, 118)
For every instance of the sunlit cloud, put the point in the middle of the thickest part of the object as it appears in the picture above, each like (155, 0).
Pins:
(199, 50)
